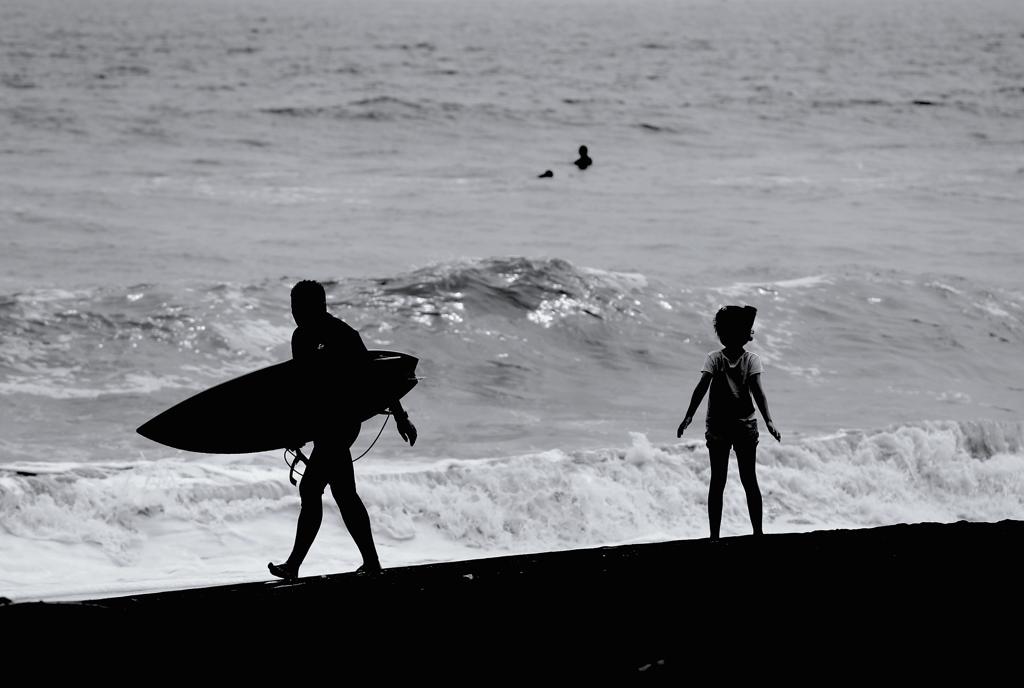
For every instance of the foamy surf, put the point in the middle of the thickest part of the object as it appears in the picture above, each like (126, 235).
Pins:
(205, 519)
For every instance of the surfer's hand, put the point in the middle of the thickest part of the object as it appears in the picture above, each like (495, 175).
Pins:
(682, 426)
(774, 433)
(406, 429)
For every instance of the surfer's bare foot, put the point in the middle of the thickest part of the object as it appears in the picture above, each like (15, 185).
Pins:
(283, 571)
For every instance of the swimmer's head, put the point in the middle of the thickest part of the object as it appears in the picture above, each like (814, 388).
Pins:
(734, 324)
(308, 301)
(583, 150)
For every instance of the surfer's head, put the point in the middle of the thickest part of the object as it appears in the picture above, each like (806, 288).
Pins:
(734, 324)
(309, 301)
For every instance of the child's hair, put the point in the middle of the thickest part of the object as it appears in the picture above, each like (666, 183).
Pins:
(733, 324)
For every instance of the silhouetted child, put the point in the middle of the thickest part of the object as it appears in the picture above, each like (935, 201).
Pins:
(584, 162)
(734, 376)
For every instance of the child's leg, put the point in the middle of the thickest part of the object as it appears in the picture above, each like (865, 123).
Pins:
(746, 454)
(719, 453)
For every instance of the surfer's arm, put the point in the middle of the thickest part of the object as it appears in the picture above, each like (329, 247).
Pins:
(757, 392)
(299, 346)
(405, 427)
(304, 348)
(698, 396)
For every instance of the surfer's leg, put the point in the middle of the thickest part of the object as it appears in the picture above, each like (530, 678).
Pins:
(353, 511)
(311, 513)
(746, 455)
(343, 487)
(718, 450)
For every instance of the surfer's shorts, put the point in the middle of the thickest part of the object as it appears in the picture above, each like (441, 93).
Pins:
(320, 474)
(741, 434)
(332, 464)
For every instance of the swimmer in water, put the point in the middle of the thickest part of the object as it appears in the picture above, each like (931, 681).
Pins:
(584, 162)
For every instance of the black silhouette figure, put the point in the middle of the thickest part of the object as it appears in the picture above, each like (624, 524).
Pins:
(322, 345)
(547, 173)
(584, 162)
(734, 376)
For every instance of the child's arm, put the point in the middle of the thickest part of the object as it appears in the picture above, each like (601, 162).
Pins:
(698, 395)
(762, 404)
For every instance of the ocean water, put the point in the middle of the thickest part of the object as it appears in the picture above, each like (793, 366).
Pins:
(169, 170)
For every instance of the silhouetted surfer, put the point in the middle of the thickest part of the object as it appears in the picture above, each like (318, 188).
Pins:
(547, 173)
(325, 347)
(584, 162)
(734, 376)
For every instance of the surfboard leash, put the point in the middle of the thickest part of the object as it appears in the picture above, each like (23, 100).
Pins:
(299, 457)
(379, 433)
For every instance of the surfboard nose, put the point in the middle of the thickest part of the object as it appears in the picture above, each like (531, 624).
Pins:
(157, 431)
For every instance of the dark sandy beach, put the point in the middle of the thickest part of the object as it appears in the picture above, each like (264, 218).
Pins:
(906, 602)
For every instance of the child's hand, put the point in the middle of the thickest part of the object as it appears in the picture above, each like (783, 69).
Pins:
(682, 426)
(774, 433)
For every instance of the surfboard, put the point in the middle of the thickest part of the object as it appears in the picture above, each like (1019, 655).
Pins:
(266, 409)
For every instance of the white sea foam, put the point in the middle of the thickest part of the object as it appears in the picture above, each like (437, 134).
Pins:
(54, 385)
(256, 337)
(746, 288)
(211, 517)
(625, 282)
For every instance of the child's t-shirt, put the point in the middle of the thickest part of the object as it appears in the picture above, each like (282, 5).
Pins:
(730, 387)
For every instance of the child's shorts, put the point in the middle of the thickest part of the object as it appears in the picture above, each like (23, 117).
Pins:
(739, 433)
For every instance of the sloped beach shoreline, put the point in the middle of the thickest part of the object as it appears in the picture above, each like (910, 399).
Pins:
(921, 600)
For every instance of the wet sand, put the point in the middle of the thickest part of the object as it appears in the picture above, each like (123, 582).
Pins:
(921, 601)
